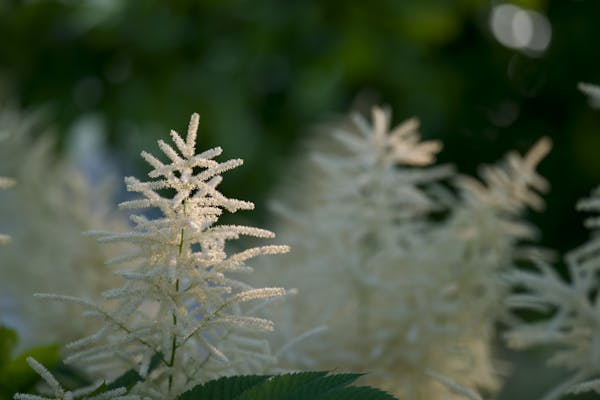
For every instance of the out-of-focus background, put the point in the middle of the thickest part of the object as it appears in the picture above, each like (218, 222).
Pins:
(483, 76)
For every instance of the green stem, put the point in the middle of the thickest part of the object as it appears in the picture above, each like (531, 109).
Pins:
(181, 242)
(127, 330)
(174, 339)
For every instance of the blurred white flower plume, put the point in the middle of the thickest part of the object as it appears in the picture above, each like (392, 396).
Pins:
(400, 292)
(45, 213)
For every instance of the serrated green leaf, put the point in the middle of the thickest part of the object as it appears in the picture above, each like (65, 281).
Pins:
(280, 387)
(321, 385)
(355, 393)
(296, 386)
(223, 388)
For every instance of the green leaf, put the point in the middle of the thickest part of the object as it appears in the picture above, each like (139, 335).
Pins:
(223, 388)
(355, 393)
(8, 341)
(280, 386)
(297, 386)
(17, 375)
(322, 385)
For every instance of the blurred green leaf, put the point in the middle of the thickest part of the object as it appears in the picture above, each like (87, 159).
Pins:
(8, 341)
(17, 375)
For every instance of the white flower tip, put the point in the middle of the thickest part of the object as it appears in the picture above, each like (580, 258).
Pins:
(45, 375)
(539, 150)
(593, 93)
(193, 130)
(194, 120)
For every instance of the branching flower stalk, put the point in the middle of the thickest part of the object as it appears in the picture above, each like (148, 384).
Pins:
(181, 299)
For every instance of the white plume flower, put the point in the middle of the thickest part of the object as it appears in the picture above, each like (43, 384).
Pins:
(46, 212)
(400, 292)
(182, 298)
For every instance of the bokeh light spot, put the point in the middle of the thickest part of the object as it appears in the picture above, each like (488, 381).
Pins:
(520, 29)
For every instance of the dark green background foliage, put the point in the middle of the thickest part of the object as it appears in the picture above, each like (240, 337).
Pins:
(262, 72)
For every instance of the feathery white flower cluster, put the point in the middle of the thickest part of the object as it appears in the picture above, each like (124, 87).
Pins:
(572, 307)
(181, 298)
(45, 214)
(399, 291)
